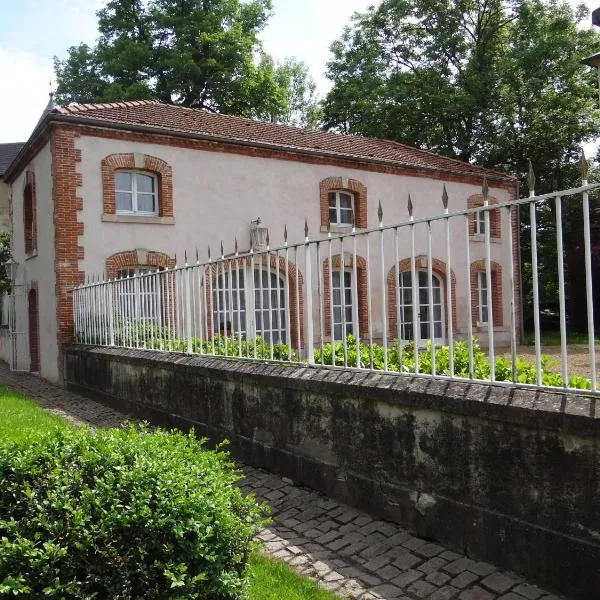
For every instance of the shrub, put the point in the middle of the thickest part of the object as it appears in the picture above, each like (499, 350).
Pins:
(122, 513)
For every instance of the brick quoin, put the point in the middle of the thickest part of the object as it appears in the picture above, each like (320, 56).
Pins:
(294, 275)
(478, 266)
(342, 184)
(152, 164)
(30, 213)
(495, 215)
(438, 268)
(361, 283)
(67, 229)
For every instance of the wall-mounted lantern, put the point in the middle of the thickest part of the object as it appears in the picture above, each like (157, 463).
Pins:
(258, 235)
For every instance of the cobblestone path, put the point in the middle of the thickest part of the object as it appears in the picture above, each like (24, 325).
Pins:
(344, 549)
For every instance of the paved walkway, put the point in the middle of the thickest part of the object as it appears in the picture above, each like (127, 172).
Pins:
(345, 550)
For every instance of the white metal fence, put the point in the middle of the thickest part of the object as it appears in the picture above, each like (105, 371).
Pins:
(437, 296)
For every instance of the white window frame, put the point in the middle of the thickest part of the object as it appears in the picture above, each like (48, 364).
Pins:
(249, 304)
(144, 299)
(423, 306)
(338, 209)
(134, 193)
(480, 222)
(482, 303)
(345, 325)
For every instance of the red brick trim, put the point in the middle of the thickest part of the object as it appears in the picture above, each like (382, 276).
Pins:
(67, 227)
(495, 215)
(144, 162)
(438, 268)
(137, 258)
(343, 184)
(497, 299)
(361, 276)
(30, 213)
(294, 275)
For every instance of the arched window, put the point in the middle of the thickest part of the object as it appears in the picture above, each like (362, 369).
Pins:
(237, 292)
(428, 326)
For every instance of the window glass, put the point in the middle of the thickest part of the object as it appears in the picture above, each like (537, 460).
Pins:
(124, 201)
(482, 297)
(341, 208)
(123, 181)
(135, 193)
(342, 315)
(426, 325)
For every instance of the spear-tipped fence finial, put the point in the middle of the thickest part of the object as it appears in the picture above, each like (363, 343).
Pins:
(410, 206)
(197, 256)
(285, 234)
(235, 245)
(531, 179)
(175, 259)
(306, 229)
(445, 198)
(353, 221)
(222, 253)
(209, 259)
(584, 166)
(485, 189)
(185, 258)
(329, 226)
(380, 214)
(267, 240)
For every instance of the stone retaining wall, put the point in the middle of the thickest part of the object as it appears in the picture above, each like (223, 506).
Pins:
(505, 475)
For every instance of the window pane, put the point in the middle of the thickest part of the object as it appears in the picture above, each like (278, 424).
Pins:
(122, 181)
(124, 201)
(345, 201)
(145, 203)
(332, 216)
(332, 199)
(145, 183)
(345, 216)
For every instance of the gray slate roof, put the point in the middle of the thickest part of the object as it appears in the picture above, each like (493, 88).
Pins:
(7, 154)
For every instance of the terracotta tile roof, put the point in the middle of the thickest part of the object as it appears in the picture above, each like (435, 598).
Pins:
(176, 119)
(7, 154)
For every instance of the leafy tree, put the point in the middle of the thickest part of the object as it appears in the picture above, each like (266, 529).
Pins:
(200, 54)
(489, 81)
(5, 255)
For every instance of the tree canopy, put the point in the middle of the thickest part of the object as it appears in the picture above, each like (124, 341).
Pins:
(198, 54)
(490, 81)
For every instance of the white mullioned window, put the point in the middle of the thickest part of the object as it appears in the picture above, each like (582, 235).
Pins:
(427, 327)
(136, 193)
(239, 295)
(341, 208)
(480, 223)
(342, 311)
(482, 301)
(139, 297)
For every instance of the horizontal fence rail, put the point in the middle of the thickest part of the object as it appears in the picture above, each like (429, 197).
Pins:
(436, 296)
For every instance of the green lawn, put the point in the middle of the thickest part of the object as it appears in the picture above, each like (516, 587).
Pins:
(552, 338)
(22, 419)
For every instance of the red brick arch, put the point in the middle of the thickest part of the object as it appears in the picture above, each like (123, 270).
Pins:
(478, 266)
(495, 215)
(295, 278)
(30, 213)
(438, 268)
(129, 259)
(361, 276)
(343, 184)
(144, 162)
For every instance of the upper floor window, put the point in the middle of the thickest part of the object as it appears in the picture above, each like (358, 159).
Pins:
(136, 193)
(341, 208)
(480, 223)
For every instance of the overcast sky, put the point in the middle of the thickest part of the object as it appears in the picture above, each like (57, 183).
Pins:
(33, 31)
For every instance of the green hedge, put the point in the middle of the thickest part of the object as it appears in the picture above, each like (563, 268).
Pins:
(123, 513)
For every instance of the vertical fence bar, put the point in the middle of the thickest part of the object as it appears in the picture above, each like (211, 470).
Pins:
(158, 278)
(217, 322)
(297, 293)
(415, 296)
(469, 292)
(430, 297)
(331, 295)
(513, 318)
(288, 325)
(343, 301)
(383, 294)
(355, 298)
(564, 369)
(536, 297)
(320, 299)
(278, 303)
(449, 300)
(229, 323)
(588, 278)
(168, 306)
(239, 307)
(310, 356)
(398, 299)
(488, 289)
(369, 300)
(188, 307)
(270, 302)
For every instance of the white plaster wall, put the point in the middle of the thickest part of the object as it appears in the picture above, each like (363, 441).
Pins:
(38, 268)
(216, 195)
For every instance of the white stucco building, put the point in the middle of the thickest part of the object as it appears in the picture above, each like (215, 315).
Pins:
(112, 188)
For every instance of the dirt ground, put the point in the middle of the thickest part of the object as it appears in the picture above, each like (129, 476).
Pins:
(578, 358)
